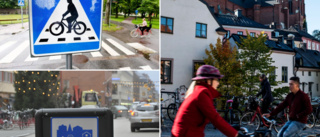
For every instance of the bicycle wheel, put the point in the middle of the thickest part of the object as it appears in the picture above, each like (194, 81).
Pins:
(280, 122)
(148, 34)
(310, 121)
(79, 28)
(172, 111)
(56, 28)
(134, 33)
(250, 122)
(235, 117)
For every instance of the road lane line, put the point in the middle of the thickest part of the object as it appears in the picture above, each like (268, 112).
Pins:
(112, 52)
(122, 48)
(15, 53)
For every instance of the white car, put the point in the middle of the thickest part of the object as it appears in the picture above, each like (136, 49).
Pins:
(144, 116)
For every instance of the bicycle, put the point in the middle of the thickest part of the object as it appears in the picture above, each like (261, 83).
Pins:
(174, 107)
(136, 32)
(57, 28)
(260, 133)
(231, 112)
(251, 120)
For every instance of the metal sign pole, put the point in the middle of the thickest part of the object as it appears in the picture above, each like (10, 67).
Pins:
(21, 16)
(69, 61)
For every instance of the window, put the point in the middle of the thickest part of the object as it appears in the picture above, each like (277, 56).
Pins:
(6, 77)
(302, 73)
(166, 69)
(167, 25)
(313, 46)
(196, 65)
(252, 34)
(227, 35)
(309, 73)
(309, 45)
(240, 33)
(114, 89)
(201, 30)
(290, 7)
(272, 76)
(310, 86)
(66, 83)
(285, 74)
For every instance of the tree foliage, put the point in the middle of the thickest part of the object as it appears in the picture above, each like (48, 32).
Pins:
(8, 4)
(224, 57)
(36, 89)
(256, 59)
(316, 34)
(150, 7)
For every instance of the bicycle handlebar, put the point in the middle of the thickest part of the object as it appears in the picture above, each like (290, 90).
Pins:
(268, 120)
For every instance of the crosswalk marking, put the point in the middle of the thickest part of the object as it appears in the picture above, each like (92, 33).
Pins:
(96, 54)
(109, 49)
(146, 67)
(119, 46)
(125, 68)
(55, 57)
(15, 53)
(6, 45)
(31, 59)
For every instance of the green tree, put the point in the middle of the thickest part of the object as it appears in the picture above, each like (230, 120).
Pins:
(224, 57)
(316, 34)
(36, 89)
(150, 7)
(305, 25)
(255, 57)
(8, 4)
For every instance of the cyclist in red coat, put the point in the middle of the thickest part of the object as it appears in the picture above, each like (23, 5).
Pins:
(197, 109)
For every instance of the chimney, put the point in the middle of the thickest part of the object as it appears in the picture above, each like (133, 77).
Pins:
(303, 46)
(280, 39)
(290, 41)
(238, 12)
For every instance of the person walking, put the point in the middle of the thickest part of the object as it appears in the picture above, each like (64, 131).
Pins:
(197, 109)
(265, 91)
(299, 109)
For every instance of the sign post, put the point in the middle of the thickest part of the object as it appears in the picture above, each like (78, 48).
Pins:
(136, 13)
(21, 4)
(65, 27)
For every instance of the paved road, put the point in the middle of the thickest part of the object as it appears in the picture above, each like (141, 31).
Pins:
(114, 54)
(16, 132)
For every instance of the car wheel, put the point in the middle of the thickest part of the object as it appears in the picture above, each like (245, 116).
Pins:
(133, 129)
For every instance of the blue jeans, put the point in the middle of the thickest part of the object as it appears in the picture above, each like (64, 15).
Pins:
(291, 128)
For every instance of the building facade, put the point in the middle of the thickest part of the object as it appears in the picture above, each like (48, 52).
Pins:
(7, 91)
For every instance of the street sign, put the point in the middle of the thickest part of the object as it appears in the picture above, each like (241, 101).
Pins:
(136, 12)
(20, 2)
(65, 26)
(75, 126)
(75, 122)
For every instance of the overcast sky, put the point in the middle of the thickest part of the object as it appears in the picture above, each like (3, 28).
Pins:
(312, 13)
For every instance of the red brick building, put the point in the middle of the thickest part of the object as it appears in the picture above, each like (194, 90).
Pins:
(87, 80)
(284, 13)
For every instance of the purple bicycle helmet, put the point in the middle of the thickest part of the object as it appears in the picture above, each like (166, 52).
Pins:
(207, 72)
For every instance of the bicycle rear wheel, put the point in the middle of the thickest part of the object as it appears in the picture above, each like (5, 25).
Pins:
(79, 28)
(310, 121)
(172, 111)
(134, 33)
(250, 122)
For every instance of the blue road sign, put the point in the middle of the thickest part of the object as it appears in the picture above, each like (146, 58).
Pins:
(20, 2)
(65, 26)
(136, 12)
(74, 126)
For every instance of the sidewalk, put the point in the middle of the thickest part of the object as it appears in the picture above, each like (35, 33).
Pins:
(13, 28)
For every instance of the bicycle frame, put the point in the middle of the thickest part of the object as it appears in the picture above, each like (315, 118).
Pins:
(145, 32)
(64, 24)
(258, 112)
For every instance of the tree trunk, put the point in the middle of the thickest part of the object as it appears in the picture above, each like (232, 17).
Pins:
(107, 14)
(117, 12)
(150, 15)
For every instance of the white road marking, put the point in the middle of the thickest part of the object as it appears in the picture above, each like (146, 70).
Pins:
(140, 47)
(119, 46)
(6, 45)
(146, 67)
(15, 53)
(55, 57)
(31, 59)
(106, 47)
(125, 68)
(96, 54)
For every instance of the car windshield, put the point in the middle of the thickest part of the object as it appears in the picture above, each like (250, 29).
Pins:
(147, 108)
(120, 107)
(90, 97)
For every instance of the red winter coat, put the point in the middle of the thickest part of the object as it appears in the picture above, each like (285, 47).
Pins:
(195, 113)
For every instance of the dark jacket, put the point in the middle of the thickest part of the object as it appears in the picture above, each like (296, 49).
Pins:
(196, 111)
(265, 91)
(299, 106)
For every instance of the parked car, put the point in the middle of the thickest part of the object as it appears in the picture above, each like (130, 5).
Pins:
(144, 116)
(119, 111)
